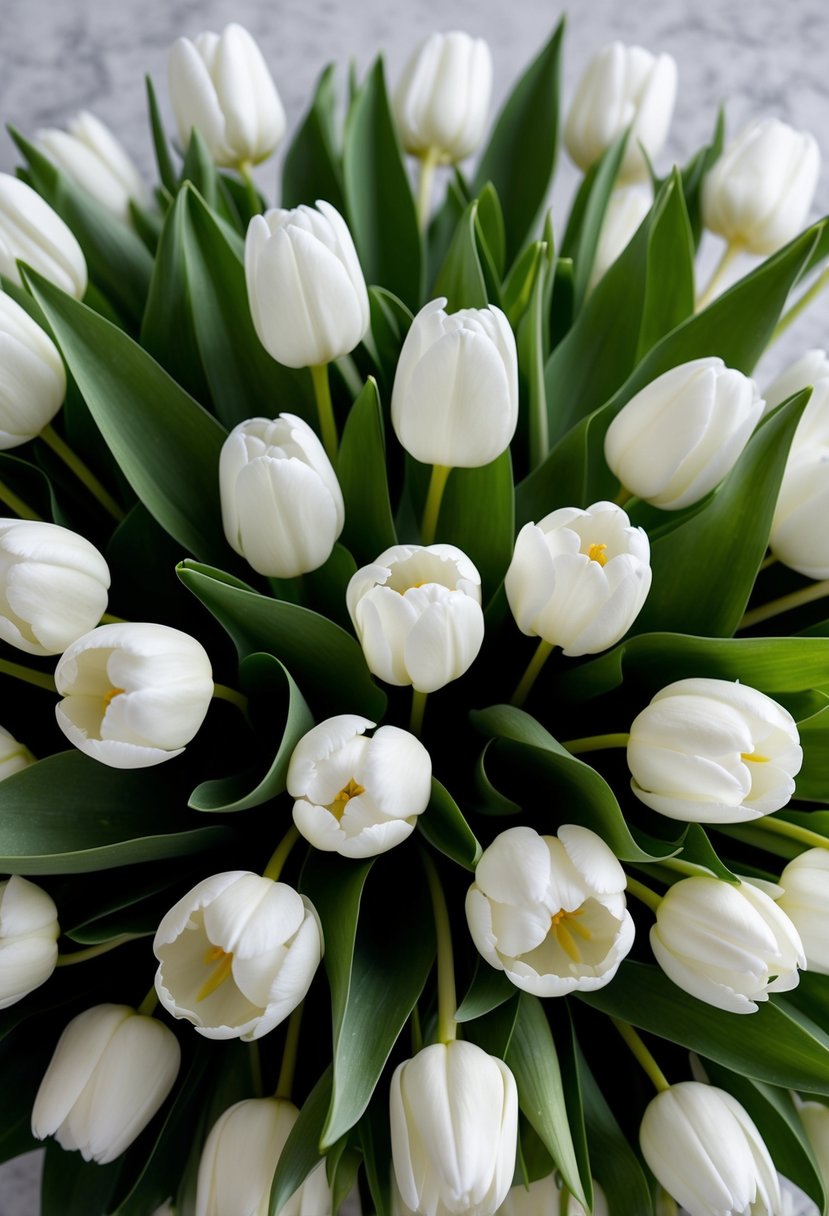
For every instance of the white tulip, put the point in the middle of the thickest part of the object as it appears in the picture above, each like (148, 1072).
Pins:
(454, 1125)
(358, 796)
(626, 209)
(441, 102)
(237, 954)
(727, 944)
(221, 85)
(111, 1071)
(815, 1119)
(134, 693)
(32, 376)
(29, 932)
(578, 579)
(759, 192)
(706, 1152)
(811, 369)
(550, 910)
(540, 1198)
(678, 437)
(13, 755)
(802, 500)
(805, 900)
(306, 289)
(455, 395)
(90, 155)
(417, 613)
(53, 586)
(713, 751)
(621, 87)
(240, 1156)
(282, 507)
(34, 233)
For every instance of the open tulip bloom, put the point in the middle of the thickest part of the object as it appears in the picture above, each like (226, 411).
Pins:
(412, 613)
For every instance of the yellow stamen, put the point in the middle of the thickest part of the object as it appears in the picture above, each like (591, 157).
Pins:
(220, 973)
(565, 940)
(110, 696)
(753, 758)
(564, 924)
(349, 791)
(596, 553)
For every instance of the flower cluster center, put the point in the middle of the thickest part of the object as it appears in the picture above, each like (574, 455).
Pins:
(754, 758)
(351, 790)
(110, 696)
(224, 959)
(596, 553)
(564, 924)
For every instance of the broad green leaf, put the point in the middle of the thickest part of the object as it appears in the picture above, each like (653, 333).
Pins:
(199, 170)
(584, 227)
(326, 662)
(488, 990)
(390, 321)
(376, 187)
(164, 161)
(443, 825)
(812, 782)
(301, 1153)
(375, 1141)
(491, 233)
(31, 485)
(520, 157)
(312, 168)
(477, 515)
(74, 1187)
(490, 800)
(361, 469)
(461, 277)
(531, 363)
(695, 173)
(165, 443)
(518, 287)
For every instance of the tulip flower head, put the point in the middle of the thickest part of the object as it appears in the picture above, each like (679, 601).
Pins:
(805, 900)
(111, 1071)
(728, 944)
(29, 932)
(706, 1152)
(282, 507)
(713, 751)
(133, 694)
(32, 376)
(441, 102)
(237, 954)
(550, 910)
(358, 796)
(578, 579)
(90, 154)
(221, 84)
(815, 1119)
(455, 395)
(454, 1124)
(803, 498)
(417, 613)
(34, 233)
(626, 208)
(13, 755)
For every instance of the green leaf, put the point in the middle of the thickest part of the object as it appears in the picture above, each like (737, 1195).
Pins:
(390, 322)
(461, 277)
(584, 227)
(812, 782)
(361, 469)
(477, 515)
(695, 173)
(443, 825)
(375, 1141)
(300, 1153)
(74, 1187)
(164, 161)
(376, 187)
(326, 661)
(312, 167)
(199, 170)
(491, 230)
(488, 990)
(520, 157)
(520, 282)
(531, 362)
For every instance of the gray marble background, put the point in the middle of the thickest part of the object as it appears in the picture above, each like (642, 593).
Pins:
(758, 56)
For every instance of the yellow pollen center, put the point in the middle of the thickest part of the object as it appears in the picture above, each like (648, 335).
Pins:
(754, 758)
(564, 925)
(349, 791)
(110, 696)
(596, 553)
(219, 974)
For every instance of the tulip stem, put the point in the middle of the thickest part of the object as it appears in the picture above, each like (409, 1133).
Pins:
(644, 894)
(418, 710)
(429, 161)
(224, 693)
(285, 1084)
(796, 599)
(793, 831)
(109, 619)
(434, 497)
(62, 449)
(325, 410)
(564, 1200)
(642, 1055)
(542, 653)
(596, 743)
(41, 679)
(254, 201)
(800, 305)
(623, 497)
(148, 1006)
(81, 956)
(280, 855)
(769, 561)
(732, 250)
(16, 504)
(255, 1058)
(447, 1028)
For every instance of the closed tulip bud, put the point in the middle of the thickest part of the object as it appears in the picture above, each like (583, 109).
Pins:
(53, 586)
(30, 230)
(578, 579)
(550, 910)
(706, 1152)
(626, 209)
(32, 377)
(111, 1071)
(221, 84)
(237, 954)
(759, 192)
(441, 103)
(90, 154)
(805, 900)
(306, 289)
(239, 1158)
(815, 1119)
(455, 395)
(728, 944)
(282, 506)
(133, 694)
(454, 1125)
(810, 369)
(358, 796)
(621, 87)
(713, 751)
(678, 437)
(13, 755)
(417, 613)
(802, 499)
(29, 931)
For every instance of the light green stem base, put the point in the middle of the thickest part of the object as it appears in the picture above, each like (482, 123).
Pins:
(223, 693)
(429, 161)
(434, 497)
(542, 654)
(731, 251)
(40, 679)
(83, 956)
(84, 474)
(280, 855)
(808, 297)
(15, 503)
(325, 410)
(792, 831)
(447, 1028)
(418, 710)
(644, 894)
(642, 1055)
(285, 1084)
(596, 743)
(796, 599)
(252, 194)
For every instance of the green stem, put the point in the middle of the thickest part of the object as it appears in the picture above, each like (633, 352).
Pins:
(644, 894)
(690, 868)
(109, 619)
(803, 303)
(642, 1055)
(280, 855)
(350, 373)
(563, 1200)
(16, 504)
(418, 710)
(254, 201)
(792, 831)
(40, 679)
(542, 653)
(732, 250)
(623, 497)
(596, 743)
(255, 1058)
(417, 1032)
(148, 1005)
(429, 161)
(81, 956)
(325, 410)
(62, 449)
(285, 1084)
(447, 1028)
(796, 599)
(431, 512)
(769, 561)
(223, 693)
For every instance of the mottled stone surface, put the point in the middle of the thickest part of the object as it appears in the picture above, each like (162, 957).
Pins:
(763, 57)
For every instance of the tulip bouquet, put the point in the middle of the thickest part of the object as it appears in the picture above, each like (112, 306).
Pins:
(414, 641)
